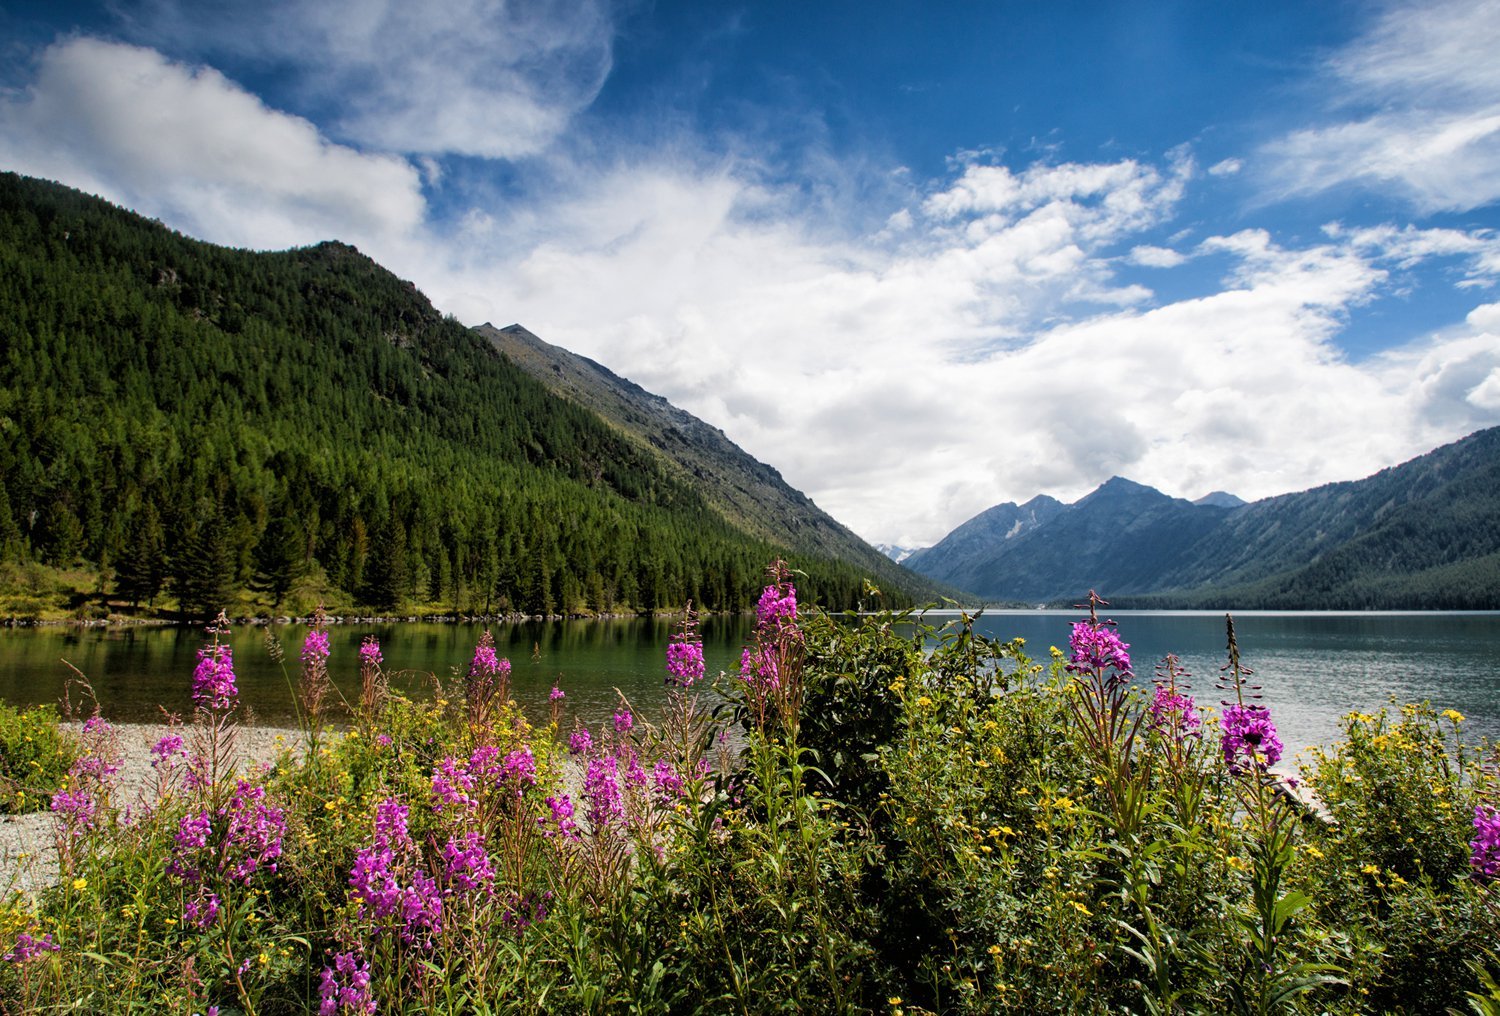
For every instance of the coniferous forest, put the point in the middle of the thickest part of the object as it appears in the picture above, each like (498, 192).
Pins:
(194, 427)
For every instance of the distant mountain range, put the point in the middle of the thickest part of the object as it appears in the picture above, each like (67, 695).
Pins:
(1421, 535)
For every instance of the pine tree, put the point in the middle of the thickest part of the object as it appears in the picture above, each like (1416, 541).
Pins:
(203, 571)
(278, 558)
(142, 569)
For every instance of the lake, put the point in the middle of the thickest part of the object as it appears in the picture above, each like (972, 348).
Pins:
(1313, 667)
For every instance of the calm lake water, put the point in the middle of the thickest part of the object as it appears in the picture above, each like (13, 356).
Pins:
(1313, 667)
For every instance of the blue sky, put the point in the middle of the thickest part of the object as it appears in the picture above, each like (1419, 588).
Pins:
(921, 257)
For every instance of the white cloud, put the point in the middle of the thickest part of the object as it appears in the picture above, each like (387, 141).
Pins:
(187, 145)
(470, 77)
(1415, 111)
(1226, 167)
(986, 352)
(1151, 256)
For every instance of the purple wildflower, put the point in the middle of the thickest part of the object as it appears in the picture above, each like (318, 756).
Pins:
(519, 770)
(253, 834)
(685, 663)
(167, 750)
(390, 824)
(486, 661)
(213, 678)
(669, 783)
(562, 817)
(27, 947)
(556, 694)
(759, 670)
(1173, 713)
(776, 603)
(467, 863)
(601, 788)
(201, 911)
(76, 809)
(315, 650)
(1096, 648)
(1485, 845)
(369, 653)
(580, 741)
(1250, 738)
(623, 721)
(345, 987)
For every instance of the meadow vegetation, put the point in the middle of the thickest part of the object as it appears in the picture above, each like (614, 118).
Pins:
(871, 815)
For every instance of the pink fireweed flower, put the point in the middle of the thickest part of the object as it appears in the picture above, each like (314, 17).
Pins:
(562, 818)
(369, 653)
(467, 864)
(167, 751)
(1485, 846)
(685, 663)
(758, 669)
(201, 911)
(1173, 713)
(27, 947)
(253, 832)
(345, 987)
(623, 721)
(580, 741)
(601, 789)
(669, 783)
(315, 650)
(76, 810)
(487, 662)
(213, 679)
(390, 824)
(1250, 739)
(1096, 648)
(519, 771)
(556, 695)
(776, 603)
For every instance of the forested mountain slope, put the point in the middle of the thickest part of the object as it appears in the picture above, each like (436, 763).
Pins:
(745, 490)
(196, 422)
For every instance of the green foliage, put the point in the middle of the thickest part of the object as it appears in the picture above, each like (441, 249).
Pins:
(34, 758)
(908, 818)
(1401, 792)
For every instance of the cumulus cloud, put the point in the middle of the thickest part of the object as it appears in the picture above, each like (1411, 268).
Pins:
(1150, 256)
(468, 77)
(986, 351)
(1415, 109)
(187, 145)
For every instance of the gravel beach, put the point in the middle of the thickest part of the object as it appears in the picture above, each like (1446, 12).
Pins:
(28, 853)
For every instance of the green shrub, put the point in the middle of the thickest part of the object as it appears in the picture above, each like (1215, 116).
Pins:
(35, 755)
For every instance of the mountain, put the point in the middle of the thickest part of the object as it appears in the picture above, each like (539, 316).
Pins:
(895, 553)
(203, 427)
(748, 493)
(1424, 534)
(959, 557)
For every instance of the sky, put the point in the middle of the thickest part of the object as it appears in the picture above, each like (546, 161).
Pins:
(921, 257)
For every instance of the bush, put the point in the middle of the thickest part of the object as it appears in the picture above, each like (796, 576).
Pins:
(35, 756)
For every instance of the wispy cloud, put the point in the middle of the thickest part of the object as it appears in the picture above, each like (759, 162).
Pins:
(467, 77)
(1414, 108)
